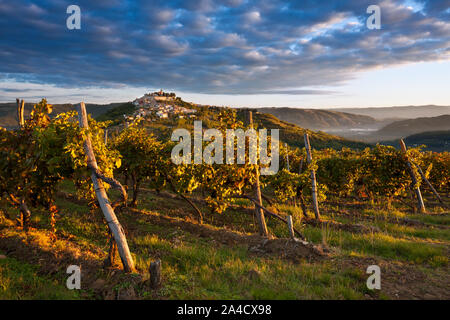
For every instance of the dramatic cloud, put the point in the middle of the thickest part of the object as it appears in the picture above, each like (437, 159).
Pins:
(213, 46)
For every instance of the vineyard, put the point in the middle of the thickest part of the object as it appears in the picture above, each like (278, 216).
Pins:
(113, 202)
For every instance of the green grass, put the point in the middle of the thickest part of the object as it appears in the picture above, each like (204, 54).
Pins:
(196, 270)
(426, 233)
(419, 245)
(392, 213)
(433, 219)
(20, 281)
(381, 245)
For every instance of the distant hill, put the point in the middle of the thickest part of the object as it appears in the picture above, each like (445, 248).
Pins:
(437, 141)
(293, 134)
(404, 128)
(407, 112)
(316, 119)
(8, 118)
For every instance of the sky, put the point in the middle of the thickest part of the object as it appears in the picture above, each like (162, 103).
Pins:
(242, 53)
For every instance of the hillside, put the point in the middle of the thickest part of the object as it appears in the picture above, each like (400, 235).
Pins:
(320, 119)
(347, 125)
(289, 132)
(293, 134)
(404, 128)
(407, 112)
(8, 118)
(437, 141)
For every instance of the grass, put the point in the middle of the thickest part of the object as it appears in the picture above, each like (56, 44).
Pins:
(199, 267)
(195, 270)
(380, 245)
(430, 234)
(20, 281)
(433, 219)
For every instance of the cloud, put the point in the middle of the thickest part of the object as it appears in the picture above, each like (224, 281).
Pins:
(14, 90)
(215, 46)
(295, 92)
(252, 17)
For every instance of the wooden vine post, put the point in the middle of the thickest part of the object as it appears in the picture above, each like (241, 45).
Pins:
(300, 192)
(313, 177)
(20, 110)
(287, 158)
(424, 178)
(288, 168)
(290, 224)
(270, 213)
(24, 213)
(108, 212)
(105, 136)
(420, 204)
(259, 212)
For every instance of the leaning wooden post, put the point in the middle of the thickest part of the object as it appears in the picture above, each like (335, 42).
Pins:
(424, 178)
(105, 133)
(108, 212)
(300, 192)
(290, 227)
(259, 212)
(313, 178)
(20, 110)
(416, 188)
(287, 157)
(288, 168)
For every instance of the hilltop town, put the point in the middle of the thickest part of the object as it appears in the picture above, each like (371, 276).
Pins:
(160, 105)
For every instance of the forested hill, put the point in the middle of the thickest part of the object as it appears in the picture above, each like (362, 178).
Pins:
(409, 127)
(293, 134)
(316, 119)
(437, 141)
(406, 112)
